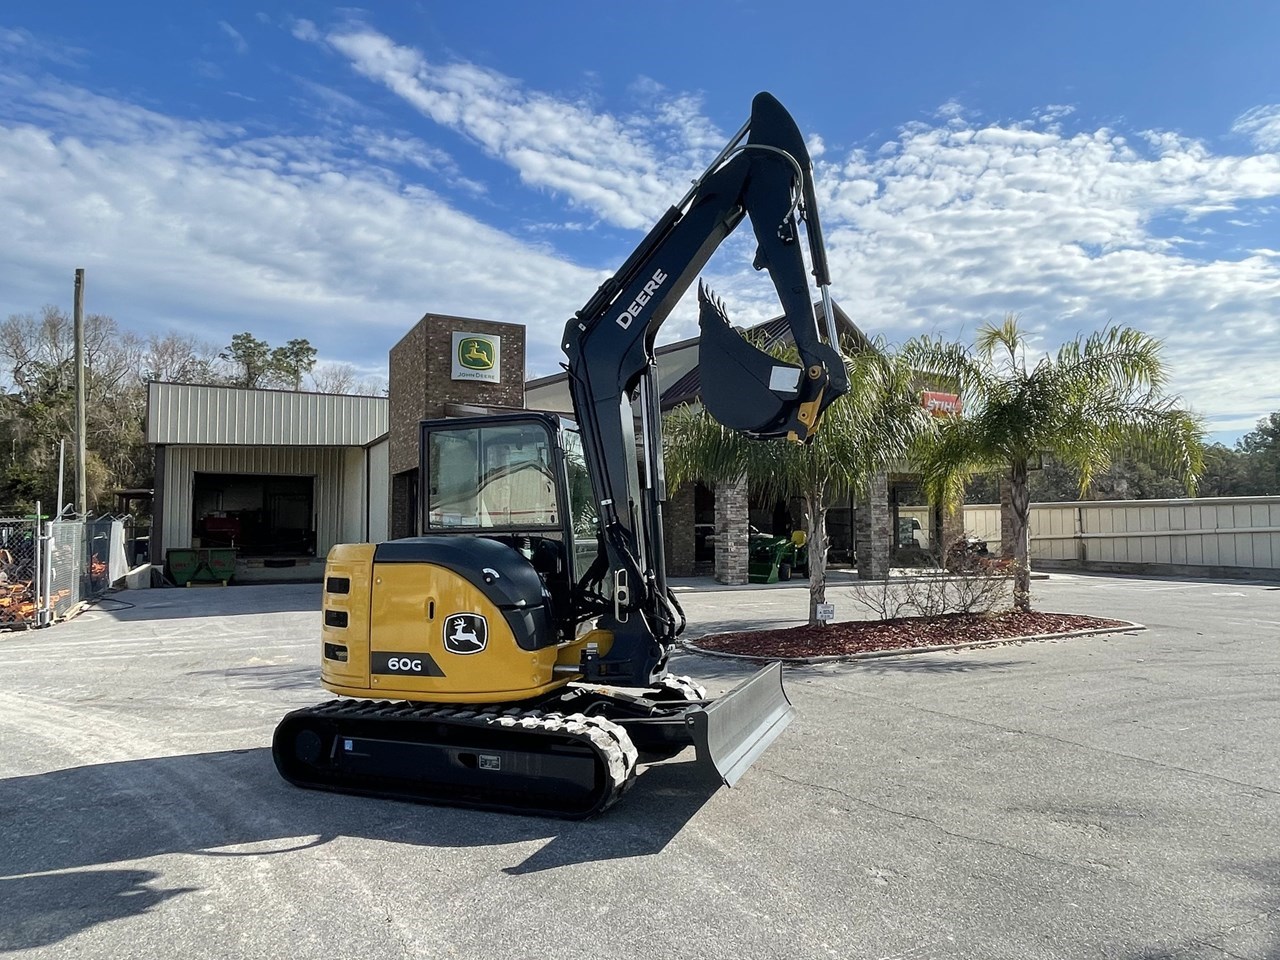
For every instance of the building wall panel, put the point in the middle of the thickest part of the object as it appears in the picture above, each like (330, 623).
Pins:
(354, 494)
(379, 491)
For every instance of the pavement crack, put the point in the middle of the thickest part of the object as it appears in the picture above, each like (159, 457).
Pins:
(933, 823)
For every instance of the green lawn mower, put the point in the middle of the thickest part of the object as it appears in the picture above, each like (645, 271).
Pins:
(771, 558)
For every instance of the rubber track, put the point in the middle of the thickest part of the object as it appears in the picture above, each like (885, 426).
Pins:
(609, 741)
(688, 688)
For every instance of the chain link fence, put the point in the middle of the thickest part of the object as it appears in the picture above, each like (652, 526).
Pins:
(47, 569)
(19, 569)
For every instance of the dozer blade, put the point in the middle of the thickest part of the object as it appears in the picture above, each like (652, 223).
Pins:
(731, 732)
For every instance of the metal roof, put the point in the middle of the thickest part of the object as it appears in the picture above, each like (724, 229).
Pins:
(185, 413)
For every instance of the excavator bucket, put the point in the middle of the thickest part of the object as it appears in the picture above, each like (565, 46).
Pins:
(734, 730)
(742, 386)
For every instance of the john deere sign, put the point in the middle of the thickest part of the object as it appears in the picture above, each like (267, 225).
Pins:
(477, 356)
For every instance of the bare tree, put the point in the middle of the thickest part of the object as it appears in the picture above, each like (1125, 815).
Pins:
(38, 354)
(330, 377)
(174, 358)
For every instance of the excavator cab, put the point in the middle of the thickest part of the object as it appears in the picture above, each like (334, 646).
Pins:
(480, 607)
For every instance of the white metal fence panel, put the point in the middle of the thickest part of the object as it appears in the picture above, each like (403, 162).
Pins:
(1230, 532)
(1053, 532)
(69, 582)
(983, 522)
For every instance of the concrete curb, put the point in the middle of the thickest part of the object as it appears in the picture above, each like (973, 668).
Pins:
(1129, 627)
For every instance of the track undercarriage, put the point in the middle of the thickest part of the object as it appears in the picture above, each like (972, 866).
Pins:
(570, 754)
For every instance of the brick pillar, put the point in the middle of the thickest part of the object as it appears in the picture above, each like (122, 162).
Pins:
(678, 531)
(874, 530)
(732, 527)
(420, 367)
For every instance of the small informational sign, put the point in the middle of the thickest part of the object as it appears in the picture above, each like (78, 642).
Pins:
(826, 611)
(477, 356)
(940, 404)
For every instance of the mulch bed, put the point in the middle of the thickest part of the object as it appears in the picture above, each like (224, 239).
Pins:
(868, 636)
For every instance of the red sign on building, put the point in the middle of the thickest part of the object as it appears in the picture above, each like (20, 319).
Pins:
(940, 404)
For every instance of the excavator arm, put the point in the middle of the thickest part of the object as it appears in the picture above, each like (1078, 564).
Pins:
(764, 174)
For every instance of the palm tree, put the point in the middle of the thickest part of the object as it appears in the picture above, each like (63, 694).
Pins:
(873, 425)
(1101, 396)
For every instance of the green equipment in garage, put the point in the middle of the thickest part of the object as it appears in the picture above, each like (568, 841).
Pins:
(772, 558)
(190, 565)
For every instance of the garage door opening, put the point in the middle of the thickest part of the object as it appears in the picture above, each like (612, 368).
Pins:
(261, 516)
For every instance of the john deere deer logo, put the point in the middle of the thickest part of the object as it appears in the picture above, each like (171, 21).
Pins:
(465, 633)
(475, 353)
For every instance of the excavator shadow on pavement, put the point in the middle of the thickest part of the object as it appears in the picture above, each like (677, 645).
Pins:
(202, 804)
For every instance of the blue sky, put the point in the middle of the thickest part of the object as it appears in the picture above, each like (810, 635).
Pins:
(305, 170)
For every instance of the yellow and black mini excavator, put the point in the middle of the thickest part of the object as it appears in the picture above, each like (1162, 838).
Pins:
(515, 656)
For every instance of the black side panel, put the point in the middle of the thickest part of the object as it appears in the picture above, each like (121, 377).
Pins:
(495, 569)
(516, 583)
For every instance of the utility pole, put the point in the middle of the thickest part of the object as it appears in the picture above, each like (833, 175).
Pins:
(82, 496)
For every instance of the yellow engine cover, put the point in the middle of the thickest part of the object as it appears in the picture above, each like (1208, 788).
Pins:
(417, 631)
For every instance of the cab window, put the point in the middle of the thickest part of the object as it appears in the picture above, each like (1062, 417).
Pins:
(491, 477)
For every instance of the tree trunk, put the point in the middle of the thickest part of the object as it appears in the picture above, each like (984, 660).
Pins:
(815, 510)
(1020, 502)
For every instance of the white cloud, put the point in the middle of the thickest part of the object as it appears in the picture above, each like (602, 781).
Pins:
(1054, 112)
(198, 227)
(305, 30)
(624, 168)
(1261, 125)
(19, 45)
(347, 237)
(950, 226)
(237, 38)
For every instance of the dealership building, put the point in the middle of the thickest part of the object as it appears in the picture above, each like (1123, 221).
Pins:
(282, 476)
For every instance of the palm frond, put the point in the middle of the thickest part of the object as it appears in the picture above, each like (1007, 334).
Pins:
(1008, 335)
(1101, 396)
(1117, 355)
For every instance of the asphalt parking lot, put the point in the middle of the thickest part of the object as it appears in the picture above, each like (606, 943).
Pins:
(1113, 796)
